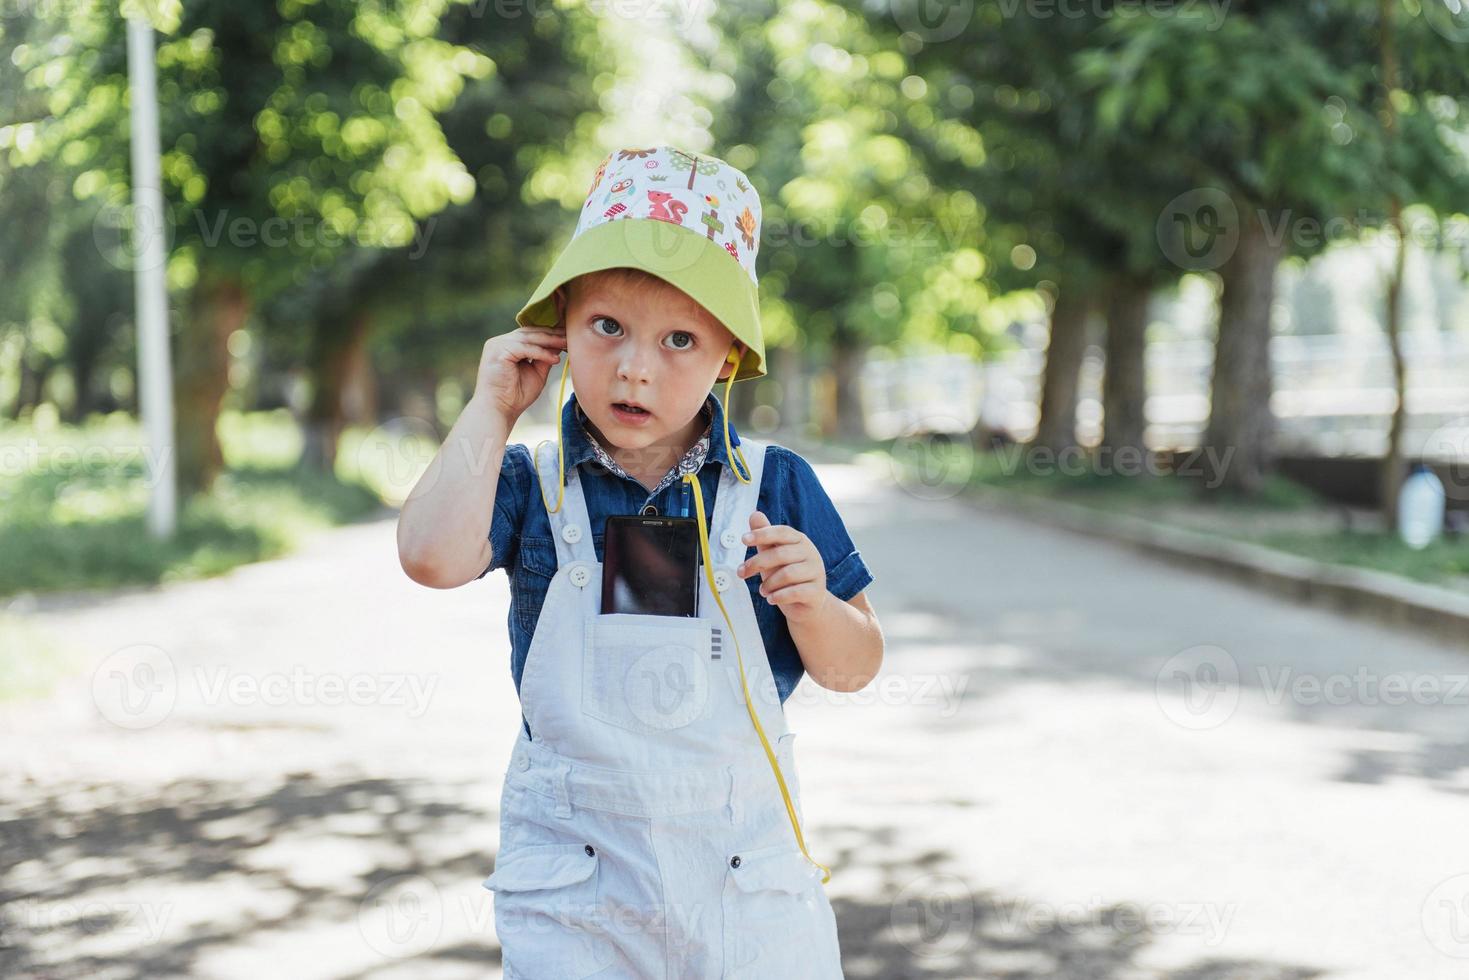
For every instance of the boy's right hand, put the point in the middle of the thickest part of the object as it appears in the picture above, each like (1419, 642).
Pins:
(514, 366)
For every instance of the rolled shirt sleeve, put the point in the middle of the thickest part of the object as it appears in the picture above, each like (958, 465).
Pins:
(511, 493)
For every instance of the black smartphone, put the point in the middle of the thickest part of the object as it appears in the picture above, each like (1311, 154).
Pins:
(650, 565)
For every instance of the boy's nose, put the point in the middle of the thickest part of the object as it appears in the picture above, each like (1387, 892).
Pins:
(635, 366)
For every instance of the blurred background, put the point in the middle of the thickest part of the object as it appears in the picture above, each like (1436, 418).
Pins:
(1061, 295)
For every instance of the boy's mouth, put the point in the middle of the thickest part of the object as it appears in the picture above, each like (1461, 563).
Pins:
(630, 413)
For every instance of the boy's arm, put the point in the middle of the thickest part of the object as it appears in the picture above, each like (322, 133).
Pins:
(840, 643)
(443, 539)
(445, 527)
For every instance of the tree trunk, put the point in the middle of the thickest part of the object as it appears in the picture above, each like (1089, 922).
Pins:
(217, 309)
(1057, 428)
(846, 367)
(1237, 440)
(1391, 475)
(337, 348)
(1124, 382)
(34, 369)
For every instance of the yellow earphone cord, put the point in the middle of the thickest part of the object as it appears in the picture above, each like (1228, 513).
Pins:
(698, 495)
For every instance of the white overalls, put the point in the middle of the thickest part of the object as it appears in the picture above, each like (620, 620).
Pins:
(642, 831)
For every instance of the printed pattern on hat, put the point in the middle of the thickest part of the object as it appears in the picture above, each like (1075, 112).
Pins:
(664, 183)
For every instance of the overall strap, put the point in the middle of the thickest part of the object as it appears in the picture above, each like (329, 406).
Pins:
(571, 528)
(734, 502)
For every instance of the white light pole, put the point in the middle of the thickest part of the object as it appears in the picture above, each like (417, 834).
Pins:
(155, 371)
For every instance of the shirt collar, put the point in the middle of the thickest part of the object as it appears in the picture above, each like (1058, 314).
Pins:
(578, 442)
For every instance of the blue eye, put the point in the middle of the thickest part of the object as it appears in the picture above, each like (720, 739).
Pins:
(686, 334)
(607, 319)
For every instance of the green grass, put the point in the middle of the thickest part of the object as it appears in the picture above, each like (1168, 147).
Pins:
(73, 504)
(30, 664)
(1010, 469)
(1444, 562)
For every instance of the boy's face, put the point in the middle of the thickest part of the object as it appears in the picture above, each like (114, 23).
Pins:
(655, 347)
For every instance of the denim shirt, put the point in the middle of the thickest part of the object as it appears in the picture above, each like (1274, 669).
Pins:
(790, 493)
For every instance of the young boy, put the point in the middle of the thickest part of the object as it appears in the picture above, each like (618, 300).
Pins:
(650, 819)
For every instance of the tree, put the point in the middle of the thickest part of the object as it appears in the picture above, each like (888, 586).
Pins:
(1245, 110)
(291, 132)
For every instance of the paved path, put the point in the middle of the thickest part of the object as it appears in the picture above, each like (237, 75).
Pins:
(292, 771)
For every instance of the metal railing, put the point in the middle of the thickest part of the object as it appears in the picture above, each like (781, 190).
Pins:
(1332, 394)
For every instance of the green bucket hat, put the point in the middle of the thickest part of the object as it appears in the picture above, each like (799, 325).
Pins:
(691, 220)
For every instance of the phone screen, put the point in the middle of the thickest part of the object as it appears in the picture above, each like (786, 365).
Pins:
(651, 566)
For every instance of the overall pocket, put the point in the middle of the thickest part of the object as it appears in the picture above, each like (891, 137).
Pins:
(777, 919)
(643, 673)
(546, 911)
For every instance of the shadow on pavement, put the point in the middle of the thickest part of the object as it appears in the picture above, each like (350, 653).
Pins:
(98, 886)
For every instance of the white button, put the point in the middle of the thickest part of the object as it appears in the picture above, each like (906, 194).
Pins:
(524, 763)
(571, 533)
(729, 538)
(580, 576)
(722, 579)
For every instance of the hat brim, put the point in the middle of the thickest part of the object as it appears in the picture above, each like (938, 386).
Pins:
(679, 256)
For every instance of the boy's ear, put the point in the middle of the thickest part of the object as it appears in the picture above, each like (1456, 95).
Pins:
(558, 296)
(729, 362)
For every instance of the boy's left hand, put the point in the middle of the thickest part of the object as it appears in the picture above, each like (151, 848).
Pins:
(792, 574)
